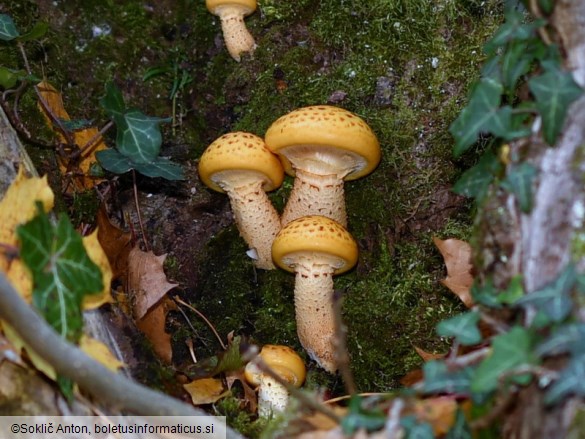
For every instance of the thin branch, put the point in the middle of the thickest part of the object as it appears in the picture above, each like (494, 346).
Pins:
(181, 302)
(142, 230)
(114, 390)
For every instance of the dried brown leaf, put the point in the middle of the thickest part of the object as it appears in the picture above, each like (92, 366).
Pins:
(457, 256)
(428, 356)
(152, 325)
(147, 281)
(116, 244)
(206, 390)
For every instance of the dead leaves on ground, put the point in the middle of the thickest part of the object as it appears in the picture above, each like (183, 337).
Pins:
(18, 207)
(457, 256)
(86, 140)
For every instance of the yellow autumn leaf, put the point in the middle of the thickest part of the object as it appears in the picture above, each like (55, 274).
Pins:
(98, 256)
(99, 352)
(40, 364)
(18, 207)
(206, 390)
(53, 103)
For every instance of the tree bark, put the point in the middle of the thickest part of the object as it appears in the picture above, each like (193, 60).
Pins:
(542, 240)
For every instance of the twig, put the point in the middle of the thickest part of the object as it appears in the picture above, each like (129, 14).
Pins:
(116, 391)
(468, 359)
(142, 230)
(93, 142)
(498, 326)
(500, 407)
(340, 346)
(252, 355)
(196, 311)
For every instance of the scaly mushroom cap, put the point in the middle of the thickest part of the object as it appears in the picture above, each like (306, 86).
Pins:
(242, 153)
(301, 135)
(313, 236)
(247, 6)
(282, 360)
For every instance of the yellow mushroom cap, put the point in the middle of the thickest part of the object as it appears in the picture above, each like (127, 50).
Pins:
(240, 151)
(247, 6)
(313, 236)
(284, 361)
(325, 126)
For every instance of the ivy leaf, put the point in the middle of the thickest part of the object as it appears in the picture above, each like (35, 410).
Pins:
(439, 379)
(9, 78)
(509, 351)
(62, 272)
(513, 29)
(463, 327)
(161, 167)
(8, 30)
(111, 160)
(138, 137)
(553, 299)
(514, 291)
(480, 115)
(475, 181)
(486, 295)
(113, 101)
(415, 429)
(360, 418)
(554, 91)
(570, 382)
(38, 31)
(516, 61)
(460, 428)
(566, 338)
(519, 182)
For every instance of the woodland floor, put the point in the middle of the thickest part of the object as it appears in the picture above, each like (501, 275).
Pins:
(403, 65)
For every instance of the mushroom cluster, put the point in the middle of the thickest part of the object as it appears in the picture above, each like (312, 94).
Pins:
(321, 146)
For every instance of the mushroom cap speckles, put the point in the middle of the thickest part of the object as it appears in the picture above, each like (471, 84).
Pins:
(240, 151)
(283, 360)
(314, 235)
(325, 126)
(247, 6)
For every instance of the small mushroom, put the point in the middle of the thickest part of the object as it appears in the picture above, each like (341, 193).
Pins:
(315, 248)
(273, 396)
(235, 34)
(240, 165)
(322, 146)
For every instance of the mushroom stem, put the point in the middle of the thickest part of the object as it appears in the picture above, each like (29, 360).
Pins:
(314, 194)
(235, 34)
(314, 311)
(256, 219)
(272, 397)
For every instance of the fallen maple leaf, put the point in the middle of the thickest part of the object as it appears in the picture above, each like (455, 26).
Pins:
(52, 103)
(152, 325)
(206, 390)
(147, 282)
(250, 398)
(457, 256)
(115, 242)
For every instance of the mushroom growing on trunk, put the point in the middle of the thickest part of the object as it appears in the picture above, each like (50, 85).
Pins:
(288, 365)
(315, 248)
(235, 34)
(240, 165)
(322, 146)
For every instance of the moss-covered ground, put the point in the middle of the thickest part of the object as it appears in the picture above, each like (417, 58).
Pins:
(402, 65)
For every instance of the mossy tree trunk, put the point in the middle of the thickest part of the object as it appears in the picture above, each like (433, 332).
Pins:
(540, 244)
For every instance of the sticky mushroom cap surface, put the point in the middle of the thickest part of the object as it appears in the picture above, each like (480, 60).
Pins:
(305, 130)
(240, 152)
(283, 360)
(313, 236)
(247, 6)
